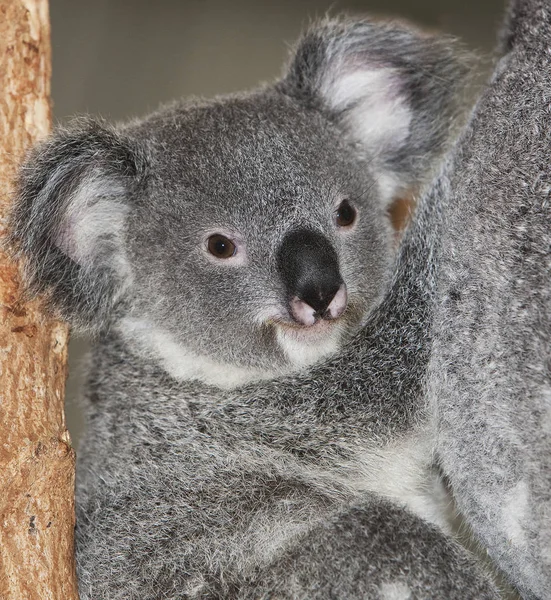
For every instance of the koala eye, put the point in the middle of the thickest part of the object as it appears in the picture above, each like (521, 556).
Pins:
(345, 214)
(220, 246)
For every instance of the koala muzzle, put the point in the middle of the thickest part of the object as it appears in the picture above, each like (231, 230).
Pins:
(309, 267)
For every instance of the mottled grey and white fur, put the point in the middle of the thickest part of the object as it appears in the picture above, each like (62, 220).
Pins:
(490, 372)
(235, 450)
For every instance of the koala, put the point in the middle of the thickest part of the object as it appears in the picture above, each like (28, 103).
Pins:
(489, 376)
(277, 407)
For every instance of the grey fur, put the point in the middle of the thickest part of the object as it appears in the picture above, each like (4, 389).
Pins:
(490, 373)
(303, 486)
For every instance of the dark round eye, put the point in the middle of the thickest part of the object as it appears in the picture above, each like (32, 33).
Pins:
(220, 246)
(346, 214)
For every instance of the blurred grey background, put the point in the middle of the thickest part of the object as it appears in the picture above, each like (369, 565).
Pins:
(121, 58)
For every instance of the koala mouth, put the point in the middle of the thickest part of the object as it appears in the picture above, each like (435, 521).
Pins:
(304, 345)
(308, 321)
(320, 326)
(348, 321)
(321, 329)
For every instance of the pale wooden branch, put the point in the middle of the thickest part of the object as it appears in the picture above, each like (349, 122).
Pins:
(36, 458)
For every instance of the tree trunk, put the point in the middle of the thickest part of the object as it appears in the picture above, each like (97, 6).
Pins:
(36, 457)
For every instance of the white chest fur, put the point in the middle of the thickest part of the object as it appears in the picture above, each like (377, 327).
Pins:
(403, 472)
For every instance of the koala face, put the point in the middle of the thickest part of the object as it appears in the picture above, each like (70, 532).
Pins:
(247, 236)
(259, 238)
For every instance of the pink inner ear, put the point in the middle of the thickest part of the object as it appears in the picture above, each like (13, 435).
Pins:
(93, 213)
(65, 239)
(83, 226)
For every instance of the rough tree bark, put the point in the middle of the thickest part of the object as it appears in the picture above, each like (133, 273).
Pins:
(36, 457)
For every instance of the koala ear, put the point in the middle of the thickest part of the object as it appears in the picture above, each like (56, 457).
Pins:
(68, 221)
(394, 90)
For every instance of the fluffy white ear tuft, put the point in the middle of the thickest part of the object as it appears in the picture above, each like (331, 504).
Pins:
(94, 214)
(375, 108)
(376, 114)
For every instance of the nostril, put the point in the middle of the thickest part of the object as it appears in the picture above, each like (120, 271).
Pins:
(302, 312)
(319, 295)
(330, 307)
(338, 304)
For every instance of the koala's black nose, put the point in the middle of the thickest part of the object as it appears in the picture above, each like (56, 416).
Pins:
(309, 267)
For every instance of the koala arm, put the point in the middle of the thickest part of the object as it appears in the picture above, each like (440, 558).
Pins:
(489, 376)
(371, 550)
(219, 518)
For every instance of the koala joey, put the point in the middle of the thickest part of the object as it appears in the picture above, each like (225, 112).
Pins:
(256, 423)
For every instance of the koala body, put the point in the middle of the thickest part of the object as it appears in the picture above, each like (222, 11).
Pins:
(261, 421)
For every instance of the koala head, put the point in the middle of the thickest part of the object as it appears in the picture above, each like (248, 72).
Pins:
(247, 236)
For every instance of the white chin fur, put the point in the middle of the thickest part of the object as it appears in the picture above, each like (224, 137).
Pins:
(305, 352)
(184, 365)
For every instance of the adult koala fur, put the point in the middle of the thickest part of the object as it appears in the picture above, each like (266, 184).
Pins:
(489, 378)
(215, 465)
